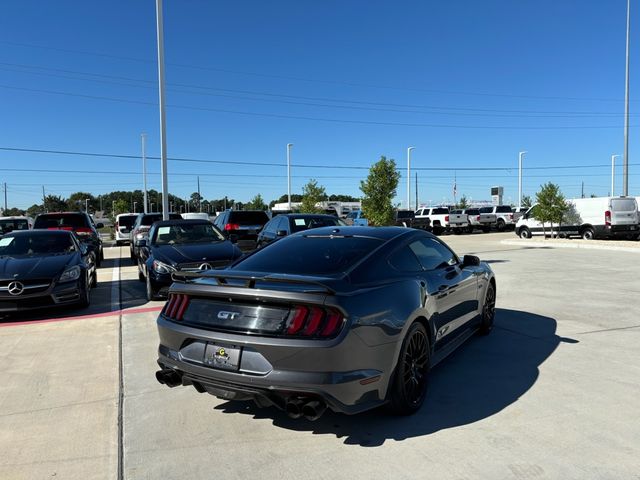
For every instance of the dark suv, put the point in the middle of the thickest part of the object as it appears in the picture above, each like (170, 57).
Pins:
(78, 222)
(140, 229)
(244, 224)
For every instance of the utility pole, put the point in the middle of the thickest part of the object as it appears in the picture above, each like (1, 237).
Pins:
(582, 189)
(199, 199)
(520, 155)
(625, 165)
(163, 120)
(5, 196)
(143, 137)
(416, 190)
(409, 177)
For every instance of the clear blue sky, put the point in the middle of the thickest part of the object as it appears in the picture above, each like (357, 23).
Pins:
(360, 79)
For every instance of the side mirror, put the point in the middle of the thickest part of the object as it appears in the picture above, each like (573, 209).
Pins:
(141, 243)
(470, 261)
(99, 225)
(281, 233)
(233, 238)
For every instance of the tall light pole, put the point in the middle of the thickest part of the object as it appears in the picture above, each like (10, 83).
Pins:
(163, 123)
(86, 205)
(143, 137)
(289, 145)
(625, 164)
(151, 207)
(613, 175)
(135, 207)
(409, 177)
(520, 155)
(113, 208)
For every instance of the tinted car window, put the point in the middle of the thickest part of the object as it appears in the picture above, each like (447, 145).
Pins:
(8, 225)
(127, 220)
(248, 218)
(305, 223)
(486, 210)
(503, 209)
(309, 255)
(58, 220)
(270, 226)
(439, 211)
(472, 211)
(151, 219)
(405, 214)
(186, 233)
(404, 260)
(623, 204)
(432, 254)
(36, 244)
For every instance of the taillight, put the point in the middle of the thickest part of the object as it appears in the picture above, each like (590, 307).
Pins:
(232, 226)
(607, 217)
(314, 322)
(446, 218)
(478, 218)
(176, 306)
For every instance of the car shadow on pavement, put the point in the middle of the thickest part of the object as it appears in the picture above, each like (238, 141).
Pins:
(483, 377)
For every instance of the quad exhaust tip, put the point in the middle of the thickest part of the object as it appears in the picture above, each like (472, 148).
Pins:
(310, 409)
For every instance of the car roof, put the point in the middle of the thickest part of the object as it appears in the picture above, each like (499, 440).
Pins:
(382, 233)
(305, 215)
(43, 232)
(16, 217)
(177, 221)
(127, 215)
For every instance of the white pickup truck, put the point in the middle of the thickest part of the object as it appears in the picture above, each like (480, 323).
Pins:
(441, 219)
(504, 216)
(482, 221)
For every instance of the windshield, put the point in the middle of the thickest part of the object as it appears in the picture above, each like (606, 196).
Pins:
(61, 220)
(127, 220)
(11, 224)
(440, 211)
(310, 255)
(183, 233)
(503, 209)
(248, 218)
(305, 223)
(472, 211)
(405, 214)
(36, 244)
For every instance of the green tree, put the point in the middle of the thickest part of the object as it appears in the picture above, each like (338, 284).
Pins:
(551, 206)
(77, 201)
(256, 203)
(312, 193)
(526, 201)
(55, 203)
(463, 203)
(13, 212)
(378, 190)
(34, 210)
(121, 206)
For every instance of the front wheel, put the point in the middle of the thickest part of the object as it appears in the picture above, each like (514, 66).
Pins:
(500, 225)
(525, 232)
(488, 310)
(85, 294)
(470, 229)
(409, 386)
(152, 293)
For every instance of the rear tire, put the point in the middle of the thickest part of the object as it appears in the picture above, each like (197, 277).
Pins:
(488, 311)
(409, 386)
(588, 234)
(500, 225)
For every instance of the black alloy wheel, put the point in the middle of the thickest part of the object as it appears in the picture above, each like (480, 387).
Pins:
(488, 310)
(500, 225)
(85, 293)
(409, 386)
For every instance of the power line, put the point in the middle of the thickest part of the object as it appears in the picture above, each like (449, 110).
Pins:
(310, 80)
(316, 119)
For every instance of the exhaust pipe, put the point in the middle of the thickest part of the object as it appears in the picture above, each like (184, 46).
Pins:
(169, 377)
(313, 410)
(294, 408)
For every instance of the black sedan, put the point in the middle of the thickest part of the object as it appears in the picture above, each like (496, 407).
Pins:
(345, 318)
(40, 268)
(286, 224)
(181, 245)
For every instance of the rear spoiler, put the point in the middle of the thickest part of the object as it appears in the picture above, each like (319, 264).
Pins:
(249, 279)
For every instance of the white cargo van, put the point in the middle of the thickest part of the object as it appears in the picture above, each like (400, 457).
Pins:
(589, 218)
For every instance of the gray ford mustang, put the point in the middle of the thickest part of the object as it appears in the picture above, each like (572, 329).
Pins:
(346, 318)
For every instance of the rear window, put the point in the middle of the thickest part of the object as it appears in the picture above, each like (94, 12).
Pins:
(58, 220)
(623, 204)
(472, 211)
(310, 255)
(486, 210)
(127, 220)
(9, 225)
(306, 223)
(248, 218)
(439, 211)
(151, 219)
(503, 209)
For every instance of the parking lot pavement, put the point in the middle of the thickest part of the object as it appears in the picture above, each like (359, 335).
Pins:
(551, 393)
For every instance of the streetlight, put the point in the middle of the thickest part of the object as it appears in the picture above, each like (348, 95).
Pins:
(113, 208)
(135, 204)
(86, 205)
(143, 136)
(163, 121)
(520, 155)
(289, 145)
(409, 177)
(151, 207)
(625, 165)
(613, 174)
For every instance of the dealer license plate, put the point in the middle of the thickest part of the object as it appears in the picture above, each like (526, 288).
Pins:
(224, 357)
